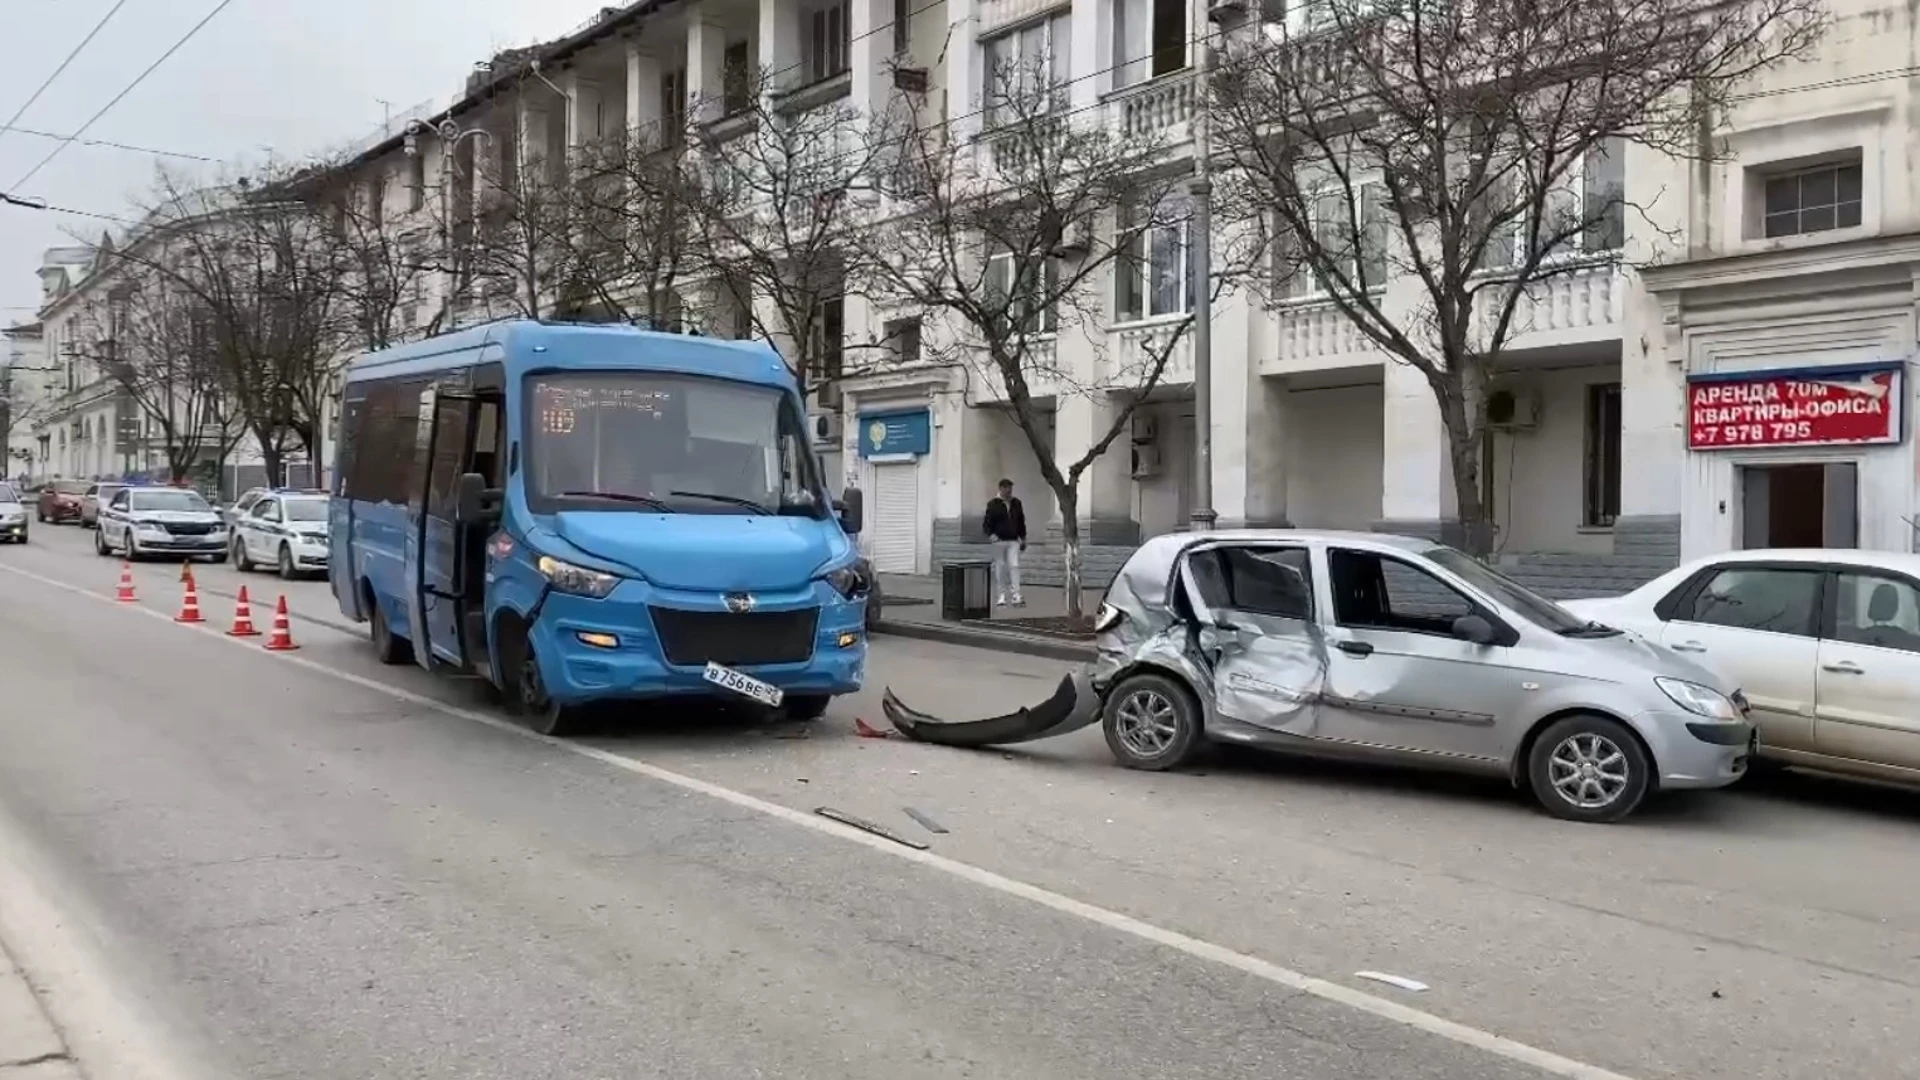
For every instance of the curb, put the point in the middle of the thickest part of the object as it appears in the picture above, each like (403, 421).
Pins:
(995, 640)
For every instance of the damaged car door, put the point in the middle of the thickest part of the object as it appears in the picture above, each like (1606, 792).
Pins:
(1255, 637)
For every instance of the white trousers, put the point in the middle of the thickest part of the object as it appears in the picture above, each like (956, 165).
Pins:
(1006, 571)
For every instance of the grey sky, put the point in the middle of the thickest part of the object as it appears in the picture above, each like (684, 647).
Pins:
(296, 75)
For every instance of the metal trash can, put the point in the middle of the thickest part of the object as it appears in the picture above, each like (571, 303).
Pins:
(966, 591)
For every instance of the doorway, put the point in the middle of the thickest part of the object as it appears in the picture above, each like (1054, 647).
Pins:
(1800, 506)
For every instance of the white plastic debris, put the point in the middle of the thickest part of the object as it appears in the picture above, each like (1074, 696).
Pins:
(1400, 981)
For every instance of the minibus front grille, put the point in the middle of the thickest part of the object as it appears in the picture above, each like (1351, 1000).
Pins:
(692, 638)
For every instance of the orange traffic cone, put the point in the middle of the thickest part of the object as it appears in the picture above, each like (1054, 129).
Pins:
(125, 594)
(243, 617)
(281, 640)
(190, 605)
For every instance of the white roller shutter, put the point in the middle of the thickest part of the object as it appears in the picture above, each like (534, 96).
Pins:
(896, 518)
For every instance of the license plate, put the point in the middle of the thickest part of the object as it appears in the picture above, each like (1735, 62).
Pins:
(745, 685)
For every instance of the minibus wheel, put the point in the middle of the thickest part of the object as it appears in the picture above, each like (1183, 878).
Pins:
(536, 708)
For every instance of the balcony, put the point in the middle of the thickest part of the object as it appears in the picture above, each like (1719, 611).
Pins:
(1133, 349)
(1579, 306)
(1043, 374)
(1314, 335)
(1159, 108)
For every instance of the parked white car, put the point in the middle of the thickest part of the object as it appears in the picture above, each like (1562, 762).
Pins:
(1825, 642)
(286, 530)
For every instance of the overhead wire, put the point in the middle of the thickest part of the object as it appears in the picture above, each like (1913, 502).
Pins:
(64, 64)
(121, 96)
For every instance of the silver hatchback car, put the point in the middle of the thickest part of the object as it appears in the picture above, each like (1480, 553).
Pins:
(1360, 645)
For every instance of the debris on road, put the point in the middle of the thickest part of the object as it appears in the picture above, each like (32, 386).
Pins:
(866, 826)
(1400, 981)
(926, 822)
(1069, 709)
(868, 731)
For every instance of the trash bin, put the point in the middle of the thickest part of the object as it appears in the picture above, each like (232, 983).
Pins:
(966, 591)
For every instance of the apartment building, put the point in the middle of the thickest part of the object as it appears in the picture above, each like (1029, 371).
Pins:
(23, 390)
(1631, 413)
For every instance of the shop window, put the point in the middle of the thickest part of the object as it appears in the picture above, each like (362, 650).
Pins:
(1799, 201)
(1601, 485)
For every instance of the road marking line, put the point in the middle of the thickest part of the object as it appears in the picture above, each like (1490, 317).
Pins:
(1546, 1061)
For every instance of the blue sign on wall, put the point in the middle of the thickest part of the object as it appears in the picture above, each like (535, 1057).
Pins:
(882, 434)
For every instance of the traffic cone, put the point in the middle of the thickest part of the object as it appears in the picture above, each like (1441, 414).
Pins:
(281, 640)
(190, 604)
(125, 594)
(243, 617)
(186, 572)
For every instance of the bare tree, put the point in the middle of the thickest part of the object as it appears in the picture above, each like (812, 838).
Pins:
(1015, 242)
(513, 241)
(260, 259)
(785, 186)
(154, 341)
(634, 232)
(389, 265)
(1475, 149)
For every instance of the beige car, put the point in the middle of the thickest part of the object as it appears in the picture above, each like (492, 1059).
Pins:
(1825, 642)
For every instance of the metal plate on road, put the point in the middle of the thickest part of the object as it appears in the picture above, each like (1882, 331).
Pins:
(745, 685)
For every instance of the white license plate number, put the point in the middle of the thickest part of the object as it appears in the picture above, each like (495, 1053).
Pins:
(745, 685)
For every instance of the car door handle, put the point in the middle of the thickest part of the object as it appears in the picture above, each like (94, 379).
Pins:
(1844, 667)
(1354, 648)
(1694, 646)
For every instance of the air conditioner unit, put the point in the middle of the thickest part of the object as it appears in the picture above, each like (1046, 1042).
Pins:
(1146, 460)
(1513, 410)
(826, 429)
(1146, 428)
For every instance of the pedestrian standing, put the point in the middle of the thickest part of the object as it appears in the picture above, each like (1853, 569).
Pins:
(1005, 524)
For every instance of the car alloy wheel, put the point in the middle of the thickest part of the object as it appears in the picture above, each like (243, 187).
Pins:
(1152, 722)
(1144, 722)
(1589, 768)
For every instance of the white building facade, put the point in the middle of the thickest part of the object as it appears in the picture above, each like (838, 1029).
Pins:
(1627, 434)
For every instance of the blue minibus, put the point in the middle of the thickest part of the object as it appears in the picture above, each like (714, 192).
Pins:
(581, 513)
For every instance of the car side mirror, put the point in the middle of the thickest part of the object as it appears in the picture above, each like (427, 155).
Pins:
(849, 516)
(474, 502)
(1473, 628)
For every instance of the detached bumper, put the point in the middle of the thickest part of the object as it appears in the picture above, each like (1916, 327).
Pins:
(1074, 705)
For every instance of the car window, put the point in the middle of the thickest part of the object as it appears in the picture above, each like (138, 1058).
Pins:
(1773, 599)
(306, 509)
(1260, 581)
(167, 499)
(267, 510)
(93, 489)
(69, 487)
(246, 501)
(118, 502)
(1381, 592)
(1878, 610)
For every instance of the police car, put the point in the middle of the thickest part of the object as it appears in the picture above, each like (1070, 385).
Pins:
(149, 520)
(286, 530)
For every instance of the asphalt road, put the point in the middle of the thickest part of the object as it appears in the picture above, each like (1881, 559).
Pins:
(286, 869)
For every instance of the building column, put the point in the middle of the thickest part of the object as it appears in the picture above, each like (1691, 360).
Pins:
(1106, 487)
(779, 41)
(706, 68)
(534, 137)
(643, 91)
(968, 464)
(870, 53)
(582, 105)
(1416, 482)
(1249, 423)
(963, 70)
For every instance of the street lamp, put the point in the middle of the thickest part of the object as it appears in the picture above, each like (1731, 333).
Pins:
(1224, 14)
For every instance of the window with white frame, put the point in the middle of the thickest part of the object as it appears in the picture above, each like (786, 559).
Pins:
(1027, 69)
(1810, 200)
(1027, 298)
(1149, 39)
(1153, 274)
(1586, 213)
(1353, 235)
(826, 41)
(673, 106)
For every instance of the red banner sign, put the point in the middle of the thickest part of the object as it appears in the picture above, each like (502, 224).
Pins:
(1803, 408)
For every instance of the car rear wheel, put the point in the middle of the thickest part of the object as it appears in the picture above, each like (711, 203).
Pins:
(1152, 722)
(1589, 768)
(240, 560)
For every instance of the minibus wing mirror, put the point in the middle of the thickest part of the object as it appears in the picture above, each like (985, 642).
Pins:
(474, 502)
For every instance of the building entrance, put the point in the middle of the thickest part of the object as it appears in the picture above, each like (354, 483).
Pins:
(1800, 506)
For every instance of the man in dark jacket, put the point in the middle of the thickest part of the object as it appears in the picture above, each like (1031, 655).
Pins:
(1005, 524)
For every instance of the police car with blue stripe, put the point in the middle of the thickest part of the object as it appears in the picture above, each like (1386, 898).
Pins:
(286, 530)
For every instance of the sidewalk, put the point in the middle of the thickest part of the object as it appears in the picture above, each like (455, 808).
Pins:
(912, 609)
(30, 1048)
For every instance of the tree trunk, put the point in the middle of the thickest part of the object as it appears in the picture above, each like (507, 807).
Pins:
(1068, 498)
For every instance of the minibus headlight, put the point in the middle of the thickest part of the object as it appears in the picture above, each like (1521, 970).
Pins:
(848, 581)
(576, 580)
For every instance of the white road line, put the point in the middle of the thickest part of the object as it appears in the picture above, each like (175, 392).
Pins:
(1546, 1061)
